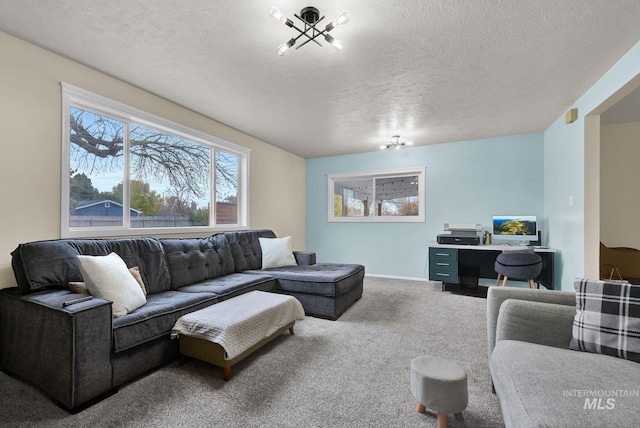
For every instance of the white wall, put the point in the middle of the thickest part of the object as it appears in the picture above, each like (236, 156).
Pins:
(30, 108)
(619, 178)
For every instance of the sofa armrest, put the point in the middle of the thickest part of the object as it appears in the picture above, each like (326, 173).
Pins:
(535, 322)
(497, 295)
(305, 257)
(64, 350)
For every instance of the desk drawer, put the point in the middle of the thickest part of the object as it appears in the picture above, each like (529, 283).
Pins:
(443, 270)
(443, 265)
(450, 254)
(450, 276)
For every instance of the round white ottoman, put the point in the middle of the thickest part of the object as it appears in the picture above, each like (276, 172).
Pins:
(440, 385)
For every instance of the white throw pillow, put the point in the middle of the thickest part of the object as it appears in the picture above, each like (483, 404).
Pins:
(108, 277)
(276, 252)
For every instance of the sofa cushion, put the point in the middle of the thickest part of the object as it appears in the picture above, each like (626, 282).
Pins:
(276, 252)
(227, 286)
(543, 386)
(156, 318)
(53, 264)
(193, 260)
(108, 277)
(323, 279)
(607, 319)
(245, 248)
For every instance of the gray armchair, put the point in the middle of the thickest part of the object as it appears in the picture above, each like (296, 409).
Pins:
(538, 379)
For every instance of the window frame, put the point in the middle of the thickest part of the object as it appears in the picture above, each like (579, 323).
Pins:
(73, 96)
(420, 172)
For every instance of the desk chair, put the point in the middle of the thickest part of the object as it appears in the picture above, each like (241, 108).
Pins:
(521, 263)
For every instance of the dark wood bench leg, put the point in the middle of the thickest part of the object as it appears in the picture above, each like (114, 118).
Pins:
(183, 359)
(291, 331)
(227, 373)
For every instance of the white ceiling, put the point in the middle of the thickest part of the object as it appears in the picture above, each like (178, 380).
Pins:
(432, 71)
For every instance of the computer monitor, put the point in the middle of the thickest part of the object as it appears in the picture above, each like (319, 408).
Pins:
(522, 228)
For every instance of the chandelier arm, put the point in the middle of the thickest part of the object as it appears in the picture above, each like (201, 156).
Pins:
(311, 39)
(299, 30)
(305, 42)
(304, 33)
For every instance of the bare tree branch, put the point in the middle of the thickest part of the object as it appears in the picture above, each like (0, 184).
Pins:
(99, 146)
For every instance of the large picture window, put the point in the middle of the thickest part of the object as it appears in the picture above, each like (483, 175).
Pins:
(391, 196)
(125, 170)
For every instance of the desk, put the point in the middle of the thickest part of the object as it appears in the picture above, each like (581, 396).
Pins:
(447, 262)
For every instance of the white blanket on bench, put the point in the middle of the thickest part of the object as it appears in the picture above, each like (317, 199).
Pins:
(240, 322)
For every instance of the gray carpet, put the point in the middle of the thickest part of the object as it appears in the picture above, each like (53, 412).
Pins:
(353, 372)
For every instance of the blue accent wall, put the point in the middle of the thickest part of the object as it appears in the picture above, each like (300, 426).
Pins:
(564, 152)
(466, 182)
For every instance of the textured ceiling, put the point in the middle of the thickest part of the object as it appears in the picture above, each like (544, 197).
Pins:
(432, 71)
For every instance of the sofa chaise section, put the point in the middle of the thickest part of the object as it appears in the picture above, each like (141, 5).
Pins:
(326, 290)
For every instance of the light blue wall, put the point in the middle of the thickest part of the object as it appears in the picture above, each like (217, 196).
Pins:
(564, 170)
(470, 182)
(466, 182)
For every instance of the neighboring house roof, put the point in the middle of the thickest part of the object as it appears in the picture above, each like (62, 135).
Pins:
(87, 204)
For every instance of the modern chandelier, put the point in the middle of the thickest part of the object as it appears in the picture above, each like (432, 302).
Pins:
(310, 17)
(396, 143)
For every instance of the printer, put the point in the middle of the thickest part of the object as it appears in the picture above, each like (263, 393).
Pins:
(460, 234)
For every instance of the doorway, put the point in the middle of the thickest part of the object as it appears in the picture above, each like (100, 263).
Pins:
(600, 126)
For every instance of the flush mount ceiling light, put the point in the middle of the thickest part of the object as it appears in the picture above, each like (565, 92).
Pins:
(396, 143)
(310, 17)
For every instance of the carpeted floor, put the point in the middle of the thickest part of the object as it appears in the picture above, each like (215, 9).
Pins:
(353, 372)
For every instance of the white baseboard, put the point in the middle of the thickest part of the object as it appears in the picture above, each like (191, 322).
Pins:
(409, 278)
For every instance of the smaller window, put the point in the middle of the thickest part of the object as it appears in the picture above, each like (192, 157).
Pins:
(379, 196)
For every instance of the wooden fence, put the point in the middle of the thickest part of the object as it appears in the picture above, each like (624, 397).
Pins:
(226, 213)
(136, 222)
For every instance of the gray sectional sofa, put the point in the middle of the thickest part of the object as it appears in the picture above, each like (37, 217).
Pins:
(539, 381)
(79, 353)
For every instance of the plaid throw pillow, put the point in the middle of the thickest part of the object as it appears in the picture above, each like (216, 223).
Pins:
(607, 319)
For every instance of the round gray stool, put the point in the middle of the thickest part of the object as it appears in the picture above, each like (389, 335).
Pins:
(518, 265)
(440, 385)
